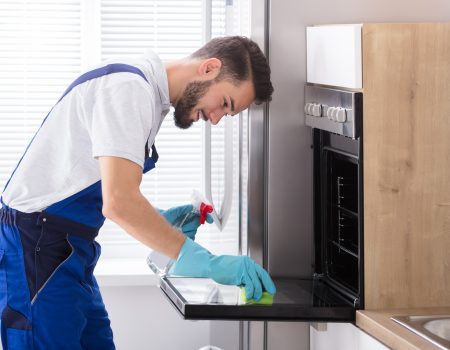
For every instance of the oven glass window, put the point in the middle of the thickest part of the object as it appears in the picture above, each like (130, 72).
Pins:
(341, 228)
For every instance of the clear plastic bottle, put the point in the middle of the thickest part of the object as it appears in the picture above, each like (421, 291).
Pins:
(160, 263)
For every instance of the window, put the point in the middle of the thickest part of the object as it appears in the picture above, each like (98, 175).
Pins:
(40, 55)
(46, 44)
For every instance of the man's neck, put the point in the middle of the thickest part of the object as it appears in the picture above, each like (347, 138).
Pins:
(179, 74)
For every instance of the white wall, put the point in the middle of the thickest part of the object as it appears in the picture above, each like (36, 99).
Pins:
(143, 319)
(342, 336)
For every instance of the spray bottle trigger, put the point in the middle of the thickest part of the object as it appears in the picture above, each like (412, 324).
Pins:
(204, 210)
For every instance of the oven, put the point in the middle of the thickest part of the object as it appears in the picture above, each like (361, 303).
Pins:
(335, 116)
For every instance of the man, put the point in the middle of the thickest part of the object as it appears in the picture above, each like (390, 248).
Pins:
(85, 163)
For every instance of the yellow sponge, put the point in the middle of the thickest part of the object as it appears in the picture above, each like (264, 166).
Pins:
(266, 299)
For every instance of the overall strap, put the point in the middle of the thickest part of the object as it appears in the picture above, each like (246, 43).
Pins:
(99, 72)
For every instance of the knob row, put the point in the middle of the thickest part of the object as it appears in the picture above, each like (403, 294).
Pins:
(337, 114)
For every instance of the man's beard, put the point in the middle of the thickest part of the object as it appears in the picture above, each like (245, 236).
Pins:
(192, 94)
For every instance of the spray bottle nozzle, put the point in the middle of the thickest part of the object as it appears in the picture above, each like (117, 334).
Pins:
(204, 210)
(201, 206)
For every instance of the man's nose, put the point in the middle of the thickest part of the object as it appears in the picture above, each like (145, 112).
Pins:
(215, 117)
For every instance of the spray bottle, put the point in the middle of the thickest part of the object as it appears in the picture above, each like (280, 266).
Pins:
(159, 263)
(199, 207)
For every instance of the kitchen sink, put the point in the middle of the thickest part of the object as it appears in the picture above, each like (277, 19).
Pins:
(435, 329)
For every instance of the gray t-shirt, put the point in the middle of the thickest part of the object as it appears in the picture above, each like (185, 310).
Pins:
(114, 115)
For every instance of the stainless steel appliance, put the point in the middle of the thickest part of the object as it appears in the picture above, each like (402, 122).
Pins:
(336, 118)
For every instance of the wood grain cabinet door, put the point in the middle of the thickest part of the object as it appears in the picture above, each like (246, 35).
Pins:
(406, 81)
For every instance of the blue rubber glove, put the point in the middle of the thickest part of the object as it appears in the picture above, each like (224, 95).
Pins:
(176, 215)
(195, 261)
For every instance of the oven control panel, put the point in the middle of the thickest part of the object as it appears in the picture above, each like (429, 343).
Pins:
(334, 110)
(337, 114)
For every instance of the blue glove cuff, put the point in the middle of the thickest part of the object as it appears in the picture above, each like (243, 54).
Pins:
(193, 260)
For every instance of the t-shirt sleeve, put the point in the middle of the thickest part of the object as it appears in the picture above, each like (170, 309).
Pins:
(121, 122)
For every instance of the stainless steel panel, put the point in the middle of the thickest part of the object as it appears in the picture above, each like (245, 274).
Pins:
(253, 334)
(284, 258)
(256, 336)
(326, 98)
(290, 157)
(324, 124)
(283, 335)
(256, 186)
(225, 334)
(257, 143)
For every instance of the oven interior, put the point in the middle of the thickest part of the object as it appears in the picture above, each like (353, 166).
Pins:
(338, 213)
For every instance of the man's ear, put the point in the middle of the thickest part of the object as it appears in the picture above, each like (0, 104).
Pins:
(209, 68)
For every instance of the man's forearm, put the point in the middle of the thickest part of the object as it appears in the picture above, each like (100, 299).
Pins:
(124, 204)
(138, 217)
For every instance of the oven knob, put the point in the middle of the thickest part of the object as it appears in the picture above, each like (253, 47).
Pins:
(307, 108)
(330, 112)
(317, 110)
(335, 112)
(341, 115)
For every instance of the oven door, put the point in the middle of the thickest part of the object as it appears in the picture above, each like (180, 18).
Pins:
(309, 300)
(338, 219)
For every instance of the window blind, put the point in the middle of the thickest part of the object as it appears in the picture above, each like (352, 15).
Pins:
(40, 55)
(44, 49)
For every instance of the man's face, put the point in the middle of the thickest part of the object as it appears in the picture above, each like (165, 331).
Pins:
(210, 100)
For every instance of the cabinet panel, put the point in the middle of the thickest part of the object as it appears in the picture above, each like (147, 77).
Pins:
(334, 55)
(406, 165)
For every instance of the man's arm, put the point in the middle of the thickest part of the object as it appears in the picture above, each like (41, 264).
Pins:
(124, 204)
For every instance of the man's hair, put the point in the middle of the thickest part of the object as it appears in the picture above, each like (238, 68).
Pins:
(242, 59)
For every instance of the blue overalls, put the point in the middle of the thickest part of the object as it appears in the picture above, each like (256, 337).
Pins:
(49, 298)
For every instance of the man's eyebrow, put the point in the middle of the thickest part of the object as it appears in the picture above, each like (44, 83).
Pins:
(232, 104)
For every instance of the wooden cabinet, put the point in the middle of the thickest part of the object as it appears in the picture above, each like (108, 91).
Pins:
(406, 84)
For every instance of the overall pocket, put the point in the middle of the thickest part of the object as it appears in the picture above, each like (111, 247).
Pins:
(86, 254)
(49, 258)
(44, 252)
